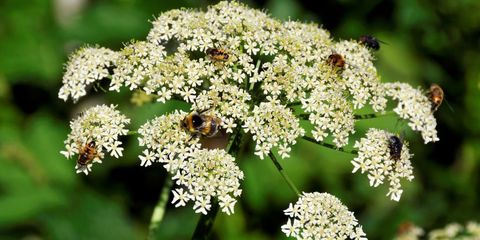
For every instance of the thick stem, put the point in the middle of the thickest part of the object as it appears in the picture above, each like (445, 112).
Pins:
(205, 223)
(283, 173)
(328, 145)
(159, 210)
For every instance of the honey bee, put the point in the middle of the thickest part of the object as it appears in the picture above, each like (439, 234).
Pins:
(370, 41)
(86, 153)
(435, 94)
(217, 54)
(395, 145)
(336, 60)
(201, 124)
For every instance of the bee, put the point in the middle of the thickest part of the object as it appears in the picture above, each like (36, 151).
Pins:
(336, 60)
(435, 94)
(395, 144)
(217, 54)
(201, 124)
(370, 41)
(86, 153)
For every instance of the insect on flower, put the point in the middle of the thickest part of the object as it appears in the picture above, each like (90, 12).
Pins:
(395, 146)
(86, 153)
(435, 94)
(201, 124)
(371, 42)
(217, 54)
(336, 61)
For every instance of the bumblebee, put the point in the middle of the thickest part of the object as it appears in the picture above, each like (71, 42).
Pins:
(370, 42)
(87, 153)
(395, 145)
(217, 54)
(201, 124)
(336, 60)
(435, 94)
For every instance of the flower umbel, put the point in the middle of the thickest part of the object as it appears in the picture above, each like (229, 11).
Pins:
(414, 106)
(321, 216)
(102, 124)
(84, 67)
(375, 159)
(273, 125)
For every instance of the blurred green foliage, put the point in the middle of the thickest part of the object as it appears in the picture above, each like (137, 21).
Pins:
(41, 196)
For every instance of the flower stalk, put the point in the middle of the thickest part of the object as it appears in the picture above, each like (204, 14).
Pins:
(283, 173)
(328, 145)
(159, 210)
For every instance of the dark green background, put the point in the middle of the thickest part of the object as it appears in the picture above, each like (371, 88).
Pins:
(42, 198)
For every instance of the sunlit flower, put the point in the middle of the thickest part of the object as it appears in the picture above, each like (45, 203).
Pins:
(273, 125)
(101, 124)
(375, 159)
(208, 174)
(135, 64)
(321, 216)
(415, 107)
(84, 67)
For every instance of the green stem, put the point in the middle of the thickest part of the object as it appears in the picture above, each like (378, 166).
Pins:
(132, 132)
(159, 210)
(205, 223)
(292, 104)
(373, 115)
(328, 145)
(283, 173)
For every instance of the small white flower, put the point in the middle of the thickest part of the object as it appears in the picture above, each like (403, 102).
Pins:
(321, 216)
(101, 124)
(375, 159)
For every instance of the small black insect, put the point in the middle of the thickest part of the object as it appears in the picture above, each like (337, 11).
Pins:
(395, 145)
(370, 41)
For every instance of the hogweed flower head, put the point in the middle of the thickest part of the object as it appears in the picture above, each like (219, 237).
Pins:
(273, 125)
(101, 124)
(374, 157)
(321, 216)
(414, 106)
(208, 174)
(202, 174)
(84, 67)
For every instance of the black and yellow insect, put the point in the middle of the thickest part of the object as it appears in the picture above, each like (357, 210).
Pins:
(86, 153)
(217, 54)
(336, 61)
(435, 94)
(201, 124)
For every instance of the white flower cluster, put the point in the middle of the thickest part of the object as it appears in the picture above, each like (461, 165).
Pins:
(414, 106)
(230, 102)
(375, 159)
(101, 124)
(360, 75)
(273, 125)
(330, 111)
(456, 231)
(203, 174)
(135, 64)
(166, 141)
(321, 216)
(84, 67)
